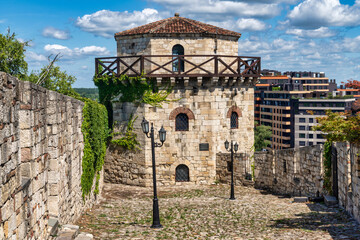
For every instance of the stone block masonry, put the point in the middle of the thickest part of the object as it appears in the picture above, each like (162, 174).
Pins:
(41, 147)
(348, 169)
(296, 172)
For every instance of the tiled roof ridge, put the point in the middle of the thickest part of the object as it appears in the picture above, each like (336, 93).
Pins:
(192, 22)
(161, 25)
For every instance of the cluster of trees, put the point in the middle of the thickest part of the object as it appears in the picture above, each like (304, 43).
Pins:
(12, 61)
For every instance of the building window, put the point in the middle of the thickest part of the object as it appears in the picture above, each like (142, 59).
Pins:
(302, 120)
(301, 127)
(310, 143)
(234, 120)
(302, 143)
(182, 122)
(311, 120)
(178, 50)
(182, 173)
(301, 135)
(311, 136)
(320, 136)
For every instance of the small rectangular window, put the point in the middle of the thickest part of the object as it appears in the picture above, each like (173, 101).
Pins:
(302, 143)
(302, 120)
(301, 127)
(311, 136)
(311, 120)
(301, 135)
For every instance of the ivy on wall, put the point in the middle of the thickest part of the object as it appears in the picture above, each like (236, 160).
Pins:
(95, 131)
(128, 141)
(129, 89)
(327, 167)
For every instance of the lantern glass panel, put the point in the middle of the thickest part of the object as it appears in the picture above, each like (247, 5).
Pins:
(162, 134)
(145, 126)
(226, 144)
(236, 147)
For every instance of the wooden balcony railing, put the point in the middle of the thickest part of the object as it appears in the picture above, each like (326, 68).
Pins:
(179, 66)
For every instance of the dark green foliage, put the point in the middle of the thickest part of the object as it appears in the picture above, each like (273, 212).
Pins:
(12, 55)
(92, 93)
(327, 166)
(129, 140)
(129, 89)
(262, 135)
(96, 132)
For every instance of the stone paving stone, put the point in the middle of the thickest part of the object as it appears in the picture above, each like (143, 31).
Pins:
(205, 212)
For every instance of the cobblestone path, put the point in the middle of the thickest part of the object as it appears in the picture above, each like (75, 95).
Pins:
(204, 212)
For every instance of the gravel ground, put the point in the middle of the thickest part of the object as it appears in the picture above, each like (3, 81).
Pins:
(204, 212)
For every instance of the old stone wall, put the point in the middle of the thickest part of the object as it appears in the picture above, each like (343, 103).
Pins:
(297, 172)
(348, 163)
(242, 167)
(208, 104)
(41, 147)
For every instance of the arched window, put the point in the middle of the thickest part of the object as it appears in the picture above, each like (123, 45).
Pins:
(182, 173)
(234, 120)
(182, 122)
(178, 50)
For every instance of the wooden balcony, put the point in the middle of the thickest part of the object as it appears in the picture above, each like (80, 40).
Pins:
(178, 66)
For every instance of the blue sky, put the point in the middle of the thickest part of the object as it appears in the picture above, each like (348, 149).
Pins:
(289, 35)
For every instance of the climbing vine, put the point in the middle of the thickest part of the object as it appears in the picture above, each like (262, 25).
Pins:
(128, 141)
(95, 130)
(327, 166)
(129, 89)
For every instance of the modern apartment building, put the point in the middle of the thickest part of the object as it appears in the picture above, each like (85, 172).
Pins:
(282, 101)
(306, 112)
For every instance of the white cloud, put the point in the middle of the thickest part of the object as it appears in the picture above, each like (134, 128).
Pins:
(317, 13)
(217, 10)
(76, 52)
(55, 33)
(322, 32)
(31, 56)
(251, 24)
(105, 23)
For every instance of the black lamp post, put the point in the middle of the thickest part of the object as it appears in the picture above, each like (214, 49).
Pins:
(233, 147)
(162, 136)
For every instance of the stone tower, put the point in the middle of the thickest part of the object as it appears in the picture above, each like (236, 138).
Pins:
(215, 90)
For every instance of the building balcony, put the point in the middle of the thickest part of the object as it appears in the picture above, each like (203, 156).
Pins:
(179, 66)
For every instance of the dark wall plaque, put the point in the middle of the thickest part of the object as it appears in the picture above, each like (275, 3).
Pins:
(204, 147)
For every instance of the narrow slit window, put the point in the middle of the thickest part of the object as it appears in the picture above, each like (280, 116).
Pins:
(182, 122)
(234, 120)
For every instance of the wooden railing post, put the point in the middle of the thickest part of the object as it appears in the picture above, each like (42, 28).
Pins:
(96, 67)
(216, 66)
(118, 67)
(179, 70)
(142, 70)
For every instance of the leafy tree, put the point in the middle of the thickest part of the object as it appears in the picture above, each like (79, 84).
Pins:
(352, 84)
(12, 55)
(262, 135)
(51, 77)
(339, 126)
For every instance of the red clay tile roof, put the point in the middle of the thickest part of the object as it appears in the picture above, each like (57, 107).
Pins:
(177, 25)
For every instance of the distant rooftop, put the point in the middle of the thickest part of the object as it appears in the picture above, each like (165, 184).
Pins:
(178, 24)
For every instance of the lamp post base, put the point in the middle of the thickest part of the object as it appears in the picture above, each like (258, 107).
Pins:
(156, 226)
